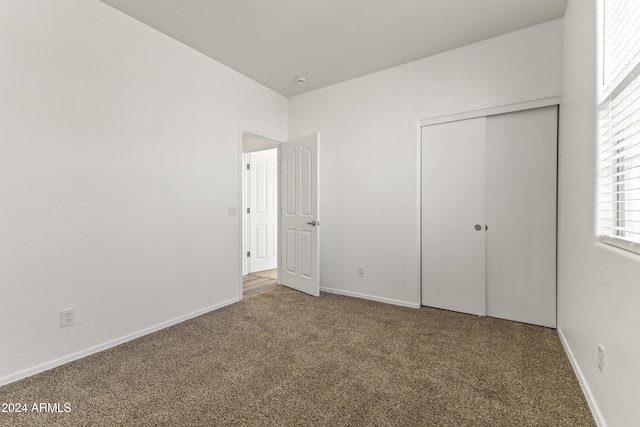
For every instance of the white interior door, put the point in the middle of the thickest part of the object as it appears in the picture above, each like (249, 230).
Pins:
(263, 210)
(521, 215)
(453, 216)
(300, 219)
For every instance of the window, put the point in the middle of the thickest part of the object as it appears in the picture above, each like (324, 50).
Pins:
(619, 125)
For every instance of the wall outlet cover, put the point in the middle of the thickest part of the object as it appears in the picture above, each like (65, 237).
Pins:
(67, 317)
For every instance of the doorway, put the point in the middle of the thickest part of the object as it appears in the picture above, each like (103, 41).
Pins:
(294, 242)
(260, 214)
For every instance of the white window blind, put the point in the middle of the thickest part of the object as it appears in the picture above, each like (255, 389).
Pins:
(619, 121)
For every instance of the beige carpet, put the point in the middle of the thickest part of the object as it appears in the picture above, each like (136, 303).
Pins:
(281, 358)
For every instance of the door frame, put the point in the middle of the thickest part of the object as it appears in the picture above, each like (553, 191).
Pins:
(244, 130)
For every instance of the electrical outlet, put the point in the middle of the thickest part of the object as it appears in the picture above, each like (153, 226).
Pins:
(601, 358)
(360, 271)
(67, 317)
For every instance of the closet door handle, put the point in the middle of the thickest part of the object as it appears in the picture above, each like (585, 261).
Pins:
(478, 227)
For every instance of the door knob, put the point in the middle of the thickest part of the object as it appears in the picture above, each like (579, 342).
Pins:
(478, 227)
(312, 223)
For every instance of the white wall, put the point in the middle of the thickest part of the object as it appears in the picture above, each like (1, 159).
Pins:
(118, 160)
(598, 286)
(369, 149)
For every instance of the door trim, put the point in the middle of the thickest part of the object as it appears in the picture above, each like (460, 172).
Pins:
(509, 108)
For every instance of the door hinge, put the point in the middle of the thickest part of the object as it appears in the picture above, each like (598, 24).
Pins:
(248, 254)
(248, 166)
(248, 210)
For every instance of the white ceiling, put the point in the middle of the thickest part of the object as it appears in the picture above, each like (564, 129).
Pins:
(330, 41)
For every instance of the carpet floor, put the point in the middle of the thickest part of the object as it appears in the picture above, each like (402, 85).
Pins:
(282, 358)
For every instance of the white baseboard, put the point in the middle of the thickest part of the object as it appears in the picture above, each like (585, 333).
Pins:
(593, 405)
(112, 343)
(371, 297)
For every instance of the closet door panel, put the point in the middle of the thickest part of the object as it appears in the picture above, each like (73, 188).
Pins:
(521, 216)
(453, 199)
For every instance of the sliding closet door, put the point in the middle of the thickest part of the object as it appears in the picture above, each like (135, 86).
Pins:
(453, 212)
(521, 216)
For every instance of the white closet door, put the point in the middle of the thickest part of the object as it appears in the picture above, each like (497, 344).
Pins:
(453, 207)
(521, 216)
